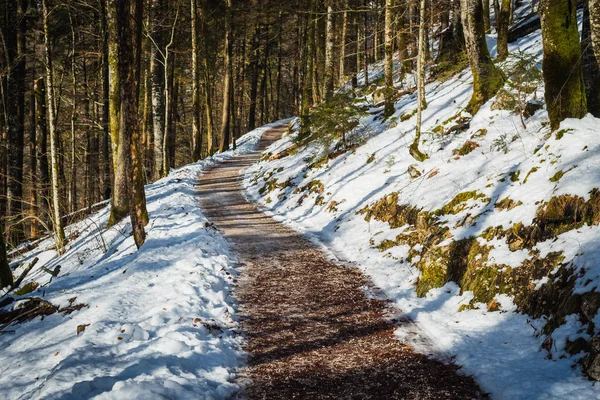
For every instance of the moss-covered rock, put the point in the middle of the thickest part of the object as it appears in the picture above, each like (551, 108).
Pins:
(458, 203)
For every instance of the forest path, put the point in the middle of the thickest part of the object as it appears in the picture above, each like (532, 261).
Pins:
(311, 330)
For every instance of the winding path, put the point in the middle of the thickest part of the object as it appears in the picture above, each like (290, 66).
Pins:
(311, 331)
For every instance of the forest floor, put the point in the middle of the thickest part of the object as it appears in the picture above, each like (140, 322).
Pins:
(312, 330)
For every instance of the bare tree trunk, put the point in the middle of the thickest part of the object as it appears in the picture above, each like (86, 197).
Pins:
(594, 7)
(561, 67)
(487, 78)
(120, 192)
(196, 129)
(227, 87)
(106, 179)
(168, 99)
(158, 68)
(502, 23)
(254, 80)
(58, 224)
(41, 149)
(307, 90)
(279, 68)
(342, 77)
(389, 60)
(208, 106)
(33, 182)
(6, 277)
(73, 183)
(590, 65)
(486, 16)
(421, 102)
(15, 110)
(329, 46)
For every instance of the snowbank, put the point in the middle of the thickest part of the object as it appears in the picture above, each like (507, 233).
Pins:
(159, 322)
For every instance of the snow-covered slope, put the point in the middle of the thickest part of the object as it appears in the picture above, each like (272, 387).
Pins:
(159, 322)
(497, 207)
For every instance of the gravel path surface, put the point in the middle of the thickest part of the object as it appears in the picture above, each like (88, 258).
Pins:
(311, 331)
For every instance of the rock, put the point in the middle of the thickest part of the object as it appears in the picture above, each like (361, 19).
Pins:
(531, 108)
(504, 101)
(593, 369)
(413, 171)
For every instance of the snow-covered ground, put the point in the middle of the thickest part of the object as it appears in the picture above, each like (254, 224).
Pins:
(503, 349)
(159, 322)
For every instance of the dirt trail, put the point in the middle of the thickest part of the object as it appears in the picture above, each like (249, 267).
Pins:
(312, 332)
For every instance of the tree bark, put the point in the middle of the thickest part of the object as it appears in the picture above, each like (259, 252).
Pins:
(157, 66)
(6, 276)
(41, 149)
(106, 178)
(452, 39)
(307, 90)
(421, 102)
(487, 78)
(594, 7)
(73, 182)
(590, 65)
(561, 67)
(329, 46)
(502, 24)
(120, 156)
(227, 84)
(15, 110)
(486, 16)
(342, 73)
(389, 60)
(57, 215)
(196, 129)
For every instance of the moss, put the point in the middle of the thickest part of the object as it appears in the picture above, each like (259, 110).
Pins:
(561, 133)
(269, 186)
(514, 176)
(507, 204)
(407, 116)
(27, 288)
(556, 177)
(563, 78)
(371, 158)
(388, 210)
(116, 215)
(457, 204)
(480, 133)
(531, 171)
(319, 201)
(466, 148)
(313, 187)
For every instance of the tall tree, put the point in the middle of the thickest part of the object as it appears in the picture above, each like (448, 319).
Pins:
(502, 24)
(227, 83)
(590, 65)
(106, 116)
(15, 111)
(561, 67)
(594, 7)
(196, 128)
(487, 78)
(50, 102)
(157, 65)
(389, 59)
(330, 44)
(421, 102)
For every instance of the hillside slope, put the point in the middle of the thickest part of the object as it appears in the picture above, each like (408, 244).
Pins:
(155, 323)
(490, 246)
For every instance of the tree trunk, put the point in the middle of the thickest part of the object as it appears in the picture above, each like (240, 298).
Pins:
(196, 129)
(594, 7)
(128, 67)
(15, 110)
(389, 60)
(307, 90)
(402, 43)
(254, 80)
(342, 77)
(329, 46)
(106, 179)
(6, 277)
(487, 78)
(421, 102)
(502, 24)
(41, 150)
(561, 67)
(208, 107)
(33, 182)
(590, 65)
(120, 194)
(227, 87)
(486, 16)
(57, 215)
(73, 183)
(157, 66)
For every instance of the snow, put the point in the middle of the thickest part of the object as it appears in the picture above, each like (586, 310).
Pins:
(160, 322)
(502, 350)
